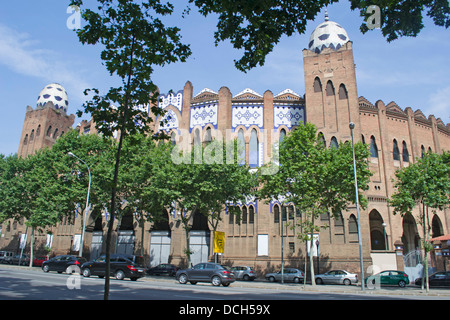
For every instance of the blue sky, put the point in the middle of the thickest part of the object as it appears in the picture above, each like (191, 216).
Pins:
(36, 48)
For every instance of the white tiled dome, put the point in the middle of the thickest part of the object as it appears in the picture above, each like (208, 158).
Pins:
(328, 34)
(55, 93)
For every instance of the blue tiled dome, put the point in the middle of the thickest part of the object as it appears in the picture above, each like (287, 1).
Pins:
(56, 94)
(328, 34)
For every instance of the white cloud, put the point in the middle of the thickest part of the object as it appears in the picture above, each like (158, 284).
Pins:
(21, 54)
(439, 104)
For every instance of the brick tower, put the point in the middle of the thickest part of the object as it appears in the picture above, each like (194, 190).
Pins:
(47, 122)
(330, 83)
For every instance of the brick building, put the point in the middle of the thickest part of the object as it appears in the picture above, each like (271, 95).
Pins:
(397, 137)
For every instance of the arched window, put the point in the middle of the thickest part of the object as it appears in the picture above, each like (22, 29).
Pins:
(352, 225)
(343, 92)
(38, 131)
(244, 214)
(49, 131)
(405, 153)
(373, 147)
(241, 146)
(334, 144)
(423, 150)
(251, 214)
(197, 140)
(253, 149)
(276, 214)
(395, 151)
(32, 135)
(282, 135)
(363, 140)
(317, 85)
(55, 134)
(25, 140)
(338, 224)
(208, 135)
(322, 139)
(173, 137)
(330, 88)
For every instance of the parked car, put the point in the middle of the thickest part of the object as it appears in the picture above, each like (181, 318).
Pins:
(63, 263)
(389, 277)
(38, 260)
(4, 255)
(23, 260)
(289, 274)
(215, 273)
(121, 266)
(438, 279)
(337, 277)
(163, 269)
(244, 273)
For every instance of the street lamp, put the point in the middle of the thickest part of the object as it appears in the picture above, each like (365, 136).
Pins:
(87, 203)
(352, 126)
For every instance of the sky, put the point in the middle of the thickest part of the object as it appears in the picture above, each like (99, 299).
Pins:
(37, 48)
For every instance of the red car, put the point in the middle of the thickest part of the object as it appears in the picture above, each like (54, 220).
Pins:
(37, 261)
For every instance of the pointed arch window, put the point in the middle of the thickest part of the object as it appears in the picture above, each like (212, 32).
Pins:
(373, 147)
(395, 151)
(343, 92)
(276, 214)
(197, 137)
(244, 215)
(405, 153)
(317, 85)
(253, 150)
(241, 147)
(251, 214)
(282, 135)
(334, 144)
(49, 131)
(208, 135)
(330, 88)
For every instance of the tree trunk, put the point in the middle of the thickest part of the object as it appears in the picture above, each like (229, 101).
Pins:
(116, 174)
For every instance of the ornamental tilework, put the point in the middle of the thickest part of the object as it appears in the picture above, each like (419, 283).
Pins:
(175, 100)
(288, 115)
(247, 116)
(169, 122)
(201, 115)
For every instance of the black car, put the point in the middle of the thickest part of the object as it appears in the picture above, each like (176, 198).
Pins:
(163, 269)
(63, 263)
(438, 279)
(121, 266)
(207, 272)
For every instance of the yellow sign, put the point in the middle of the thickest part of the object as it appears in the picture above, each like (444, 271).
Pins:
(219, 242)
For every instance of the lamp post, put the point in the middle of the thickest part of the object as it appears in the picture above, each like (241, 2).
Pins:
(385, 236)
(87, 204)
(352, 126)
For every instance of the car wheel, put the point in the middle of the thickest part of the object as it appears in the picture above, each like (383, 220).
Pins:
(347, 282)
(226, 284)
(183, 279)
(401, 284)
(86, 272)
(216, 281)
(272, 279)
(319, 281)
(246, 277)
(194, 282)
(296, 280)
(46, 268)
(120, 275)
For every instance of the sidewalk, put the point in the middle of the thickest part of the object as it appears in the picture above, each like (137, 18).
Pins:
(353, 289)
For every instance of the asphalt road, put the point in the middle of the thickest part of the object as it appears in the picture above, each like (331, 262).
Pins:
(32, 284)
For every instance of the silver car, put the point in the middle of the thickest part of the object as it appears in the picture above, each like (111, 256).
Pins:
(244, 273)
(290, 274)
(337, 277)
(207, 272)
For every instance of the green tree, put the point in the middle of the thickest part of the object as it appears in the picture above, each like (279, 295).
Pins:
(135, 40)
(315, 178)
(209, 181)
(425, 182)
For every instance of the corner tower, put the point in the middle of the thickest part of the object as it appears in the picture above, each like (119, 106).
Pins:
(330, 82)
(45, 123)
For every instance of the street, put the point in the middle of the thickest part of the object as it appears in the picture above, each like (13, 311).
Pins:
(21, 283)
